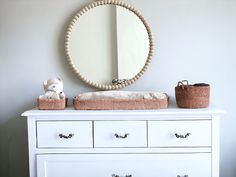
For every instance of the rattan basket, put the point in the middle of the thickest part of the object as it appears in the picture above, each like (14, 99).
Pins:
(192, 96)
(51, 104)
(120, 104)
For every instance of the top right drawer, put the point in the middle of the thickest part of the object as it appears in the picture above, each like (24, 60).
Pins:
(194, 133)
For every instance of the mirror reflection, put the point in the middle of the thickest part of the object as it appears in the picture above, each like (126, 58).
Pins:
(109, 43)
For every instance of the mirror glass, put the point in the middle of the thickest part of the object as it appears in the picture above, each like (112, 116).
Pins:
(108, 42)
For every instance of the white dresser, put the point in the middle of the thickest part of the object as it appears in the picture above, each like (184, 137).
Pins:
(160, 143)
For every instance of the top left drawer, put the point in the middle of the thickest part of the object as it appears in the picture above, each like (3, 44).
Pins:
(64, 134)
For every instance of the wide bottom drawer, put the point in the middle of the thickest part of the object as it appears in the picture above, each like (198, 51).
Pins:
(124, 165)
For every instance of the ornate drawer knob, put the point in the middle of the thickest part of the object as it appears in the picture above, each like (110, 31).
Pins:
(66, 136)
(182, 136)
(122, 136)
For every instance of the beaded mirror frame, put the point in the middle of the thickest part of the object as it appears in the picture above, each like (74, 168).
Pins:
(116, 85)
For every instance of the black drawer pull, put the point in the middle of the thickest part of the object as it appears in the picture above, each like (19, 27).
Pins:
(182, 136)
(121, 176)
(66, 136)
(182, 176)
(120, 136)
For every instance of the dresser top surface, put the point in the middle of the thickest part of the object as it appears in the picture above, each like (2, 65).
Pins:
(172, 110)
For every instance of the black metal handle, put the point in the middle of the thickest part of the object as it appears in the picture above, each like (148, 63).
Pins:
(182, 176)
(121, 176)
(183, 83)
(182, 136)
(119, 81)
(120, 136)
(66, 136)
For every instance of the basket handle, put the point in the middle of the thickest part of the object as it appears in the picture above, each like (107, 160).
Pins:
(183, 83)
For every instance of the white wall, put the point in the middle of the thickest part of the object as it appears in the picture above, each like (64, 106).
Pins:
(195, 40)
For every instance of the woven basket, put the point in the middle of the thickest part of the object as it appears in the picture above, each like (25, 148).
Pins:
(192, 96)
(51, 104)
(120, 104)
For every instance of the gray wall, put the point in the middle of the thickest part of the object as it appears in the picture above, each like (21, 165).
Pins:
(195, 40)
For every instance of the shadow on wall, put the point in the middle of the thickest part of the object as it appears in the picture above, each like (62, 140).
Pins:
(14, 146)
(13, 133)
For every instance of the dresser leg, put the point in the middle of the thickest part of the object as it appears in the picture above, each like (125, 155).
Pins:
(215, 146)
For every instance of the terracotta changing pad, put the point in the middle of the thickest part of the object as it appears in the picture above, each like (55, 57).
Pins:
(120, 100)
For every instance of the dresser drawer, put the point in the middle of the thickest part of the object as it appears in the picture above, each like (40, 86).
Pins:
(64, 134)
(179, 133)
(120, 134)
(124, 165)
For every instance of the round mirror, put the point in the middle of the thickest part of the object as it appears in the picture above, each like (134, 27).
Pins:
(109, 44)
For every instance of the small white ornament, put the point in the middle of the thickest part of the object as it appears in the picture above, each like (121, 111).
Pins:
(53, 89)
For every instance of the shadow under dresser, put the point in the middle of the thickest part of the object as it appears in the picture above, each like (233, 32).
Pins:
(171, 142)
